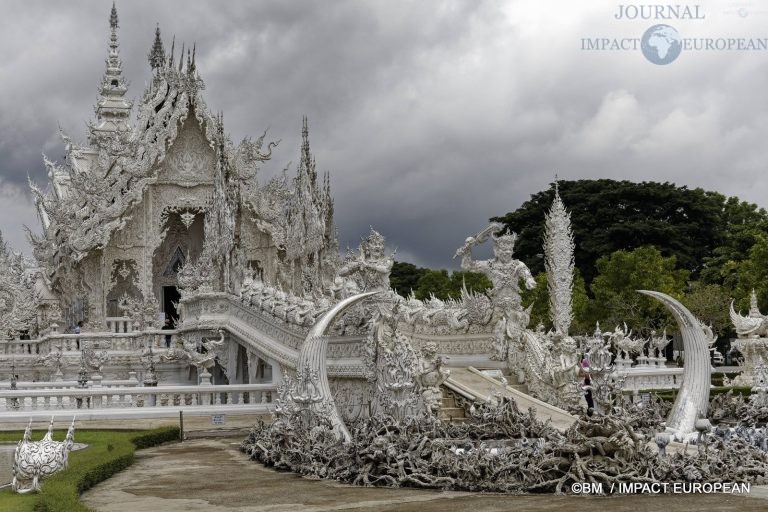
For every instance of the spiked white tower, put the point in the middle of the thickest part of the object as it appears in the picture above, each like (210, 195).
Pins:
(113, 111)
(559, 264)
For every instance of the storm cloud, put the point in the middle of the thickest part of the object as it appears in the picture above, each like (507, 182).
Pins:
(431, 116)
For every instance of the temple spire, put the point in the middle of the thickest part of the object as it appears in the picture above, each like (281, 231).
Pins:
(173, 49)
(156, 55)
(112, 110)
(113, 19)
(307, 162)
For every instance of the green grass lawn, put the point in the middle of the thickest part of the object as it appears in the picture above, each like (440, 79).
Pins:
(109, 451)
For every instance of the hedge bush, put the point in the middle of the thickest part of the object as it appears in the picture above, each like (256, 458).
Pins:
(156, 437)
(108, 453)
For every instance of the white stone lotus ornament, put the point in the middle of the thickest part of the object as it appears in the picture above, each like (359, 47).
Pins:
(35, 460)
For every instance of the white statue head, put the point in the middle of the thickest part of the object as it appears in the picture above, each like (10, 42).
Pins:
(504, 247)
(429, 350)
(373, 245)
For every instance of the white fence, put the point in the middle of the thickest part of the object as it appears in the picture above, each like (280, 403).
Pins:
(140, 401)
(70, 384)
(121, 341)
(638, 378)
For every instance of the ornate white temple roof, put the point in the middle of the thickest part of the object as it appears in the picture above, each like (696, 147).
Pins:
(95, 191)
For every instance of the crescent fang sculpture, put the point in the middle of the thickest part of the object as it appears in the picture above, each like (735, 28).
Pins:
(312, 359)
(693, 398)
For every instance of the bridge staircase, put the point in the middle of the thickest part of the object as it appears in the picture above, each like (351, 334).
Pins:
(473, 385)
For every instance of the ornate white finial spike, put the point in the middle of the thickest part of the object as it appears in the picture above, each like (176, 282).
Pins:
(112, 110)
(173, 49)
(754, 311)
(156, 55)
(49, 434)
(71, 431)
(559, 264)
(113, 17)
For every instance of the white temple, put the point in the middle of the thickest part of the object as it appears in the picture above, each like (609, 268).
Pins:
(168, 281)
(159, 220)
(146, 195)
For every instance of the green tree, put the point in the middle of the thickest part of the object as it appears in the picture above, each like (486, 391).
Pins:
(619, 277)
(434, 282)
(609, 215)
(539, 297)
(445, 286)
(752, 274)
(474, 281)
(405, 277)
(709, 303)
(745, 222)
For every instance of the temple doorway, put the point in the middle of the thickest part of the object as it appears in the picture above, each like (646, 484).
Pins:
(183, 243)
(171, 296)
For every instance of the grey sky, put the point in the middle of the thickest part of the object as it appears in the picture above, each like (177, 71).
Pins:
(431, 116)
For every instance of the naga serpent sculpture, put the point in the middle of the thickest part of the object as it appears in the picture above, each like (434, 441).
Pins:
(693, 397)
(312, 359)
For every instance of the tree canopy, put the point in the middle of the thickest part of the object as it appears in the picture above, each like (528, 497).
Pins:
(621, 274)
(582, 320)
(405, 277)
(698, 246)
(424, 282)
(701, 229)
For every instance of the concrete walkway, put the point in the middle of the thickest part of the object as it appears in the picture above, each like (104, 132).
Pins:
(212, 475)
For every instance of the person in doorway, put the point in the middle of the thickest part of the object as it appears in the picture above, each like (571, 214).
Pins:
(167, 326)
(78, 330)
(585, 374)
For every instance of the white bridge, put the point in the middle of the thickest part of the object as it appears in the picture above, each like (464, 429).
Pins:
(263, 338)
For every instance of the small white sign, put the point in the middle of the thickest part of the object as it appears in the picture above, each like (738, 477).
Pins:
(494, 373)
(218, 419)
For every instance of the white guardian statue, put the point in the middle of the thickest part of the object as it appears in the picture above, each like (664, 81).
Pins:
(505, 273)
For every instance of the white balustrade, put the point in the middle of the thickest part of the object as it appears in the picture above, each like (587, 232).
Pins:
(120, 324)
(221, 396)
(640, 378)
(23, 347)
(118, 341)
(68, 384)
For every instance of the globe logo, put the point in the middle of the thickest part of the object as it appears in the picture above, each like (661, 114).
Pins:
(661, 44)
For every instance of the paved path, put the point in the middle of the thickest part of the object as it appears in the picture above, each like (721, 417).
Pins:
(212, 475)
